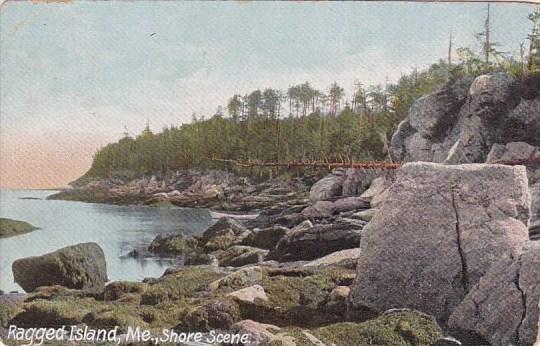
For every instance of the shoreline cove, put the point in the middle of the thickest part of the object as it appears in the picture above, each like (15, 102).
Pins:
(38, 336)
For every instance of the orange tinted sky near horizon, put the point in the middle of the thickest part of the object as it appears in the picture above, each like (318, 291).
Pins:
(51, 160)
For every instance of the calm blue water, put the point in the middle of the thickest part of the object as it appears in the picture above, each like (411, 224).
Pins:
(117, 229)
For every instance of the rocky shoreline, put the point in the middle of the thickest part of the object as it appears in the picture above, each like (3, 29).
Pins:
(212, 189)
(436, 253)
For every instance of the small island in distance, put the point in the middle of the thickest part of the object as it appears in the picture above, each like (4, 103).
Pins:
(9, 227)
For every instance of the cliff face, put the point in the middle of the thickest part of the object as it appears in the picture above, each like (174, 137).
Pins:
(483, 120)
(461, 122)
(451, 237)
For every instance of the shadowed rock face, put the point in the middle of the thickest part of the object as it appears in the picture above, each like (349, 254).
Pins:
(80, 266)
(462, 121)
(534, 226)
(315, 242)
(502, 308)
(473, 121)
(439, 231)
(327, 188)
(523, 151)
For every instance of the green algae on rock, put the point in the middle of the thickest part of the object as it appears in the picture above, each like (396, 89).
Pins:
(80, 266)
(181, 283)
(399, 328)
(172, 244)
(10, 227)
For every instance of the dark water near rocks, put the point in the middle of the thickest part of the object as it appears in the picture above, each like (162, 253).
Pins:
(117, 229)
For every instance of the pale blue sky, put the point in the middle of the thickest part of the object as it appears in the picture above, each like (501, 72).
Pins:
(92, 67)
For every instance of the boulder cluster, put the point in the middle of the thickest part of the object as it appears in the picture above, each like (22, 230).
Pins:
(439, 252)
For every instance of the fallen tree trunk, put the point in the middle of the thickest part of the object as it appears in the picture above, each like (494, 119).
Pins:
(352, 164)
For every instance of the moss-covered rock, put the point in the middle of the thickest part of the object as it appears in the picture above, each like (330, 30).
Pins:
(221, 313)
(199, 257)
(120, 289)
(400, 328)
(266, 238)
(118, 315)
(73, 310)
(49, 292)
(80, 266)
(65, 311)
(172, 245)
(240, 279)
(10, 228)
(296, 297)
(220, 241)
(223, 234)
(182, 283)
(181, 295)
(10, 306)
(223, 225)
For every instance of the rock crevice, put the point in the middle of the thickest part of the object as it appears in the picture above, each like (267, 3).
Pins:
(463, 258)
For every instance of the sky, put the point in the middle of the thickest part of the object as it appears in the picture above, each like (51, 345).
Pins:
(74, 76)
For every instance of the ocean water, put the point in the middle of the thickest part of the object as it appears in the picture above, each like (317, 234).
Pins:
(117, 229)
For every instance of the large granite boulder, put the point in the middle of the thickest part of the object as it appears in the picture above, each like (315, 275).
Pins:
(523, 151)
(523, 122)
(260, 334)
(172, 244)
(376, 188)
(315, 242)
(347, 257)
(357, 180)
(438, 232)
(328, 187)
(511, 151)
(221, 226)
(502, 309)
(216, 314)
(249, 295)
(319, 210)
(496, 117)
(224, 233)
(242, 278)
(325, 209)
(80, 266)
(347, 204)
(265, 238)
(420, 136)
(238, 255)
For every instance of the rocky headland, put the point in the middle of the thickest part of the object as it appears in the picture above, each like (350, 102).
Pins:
(438, 252)
(213, 189)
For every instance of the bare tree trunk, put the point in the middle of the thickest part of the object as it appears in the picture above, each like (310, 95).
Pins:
(487, 44)
(450, 50)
